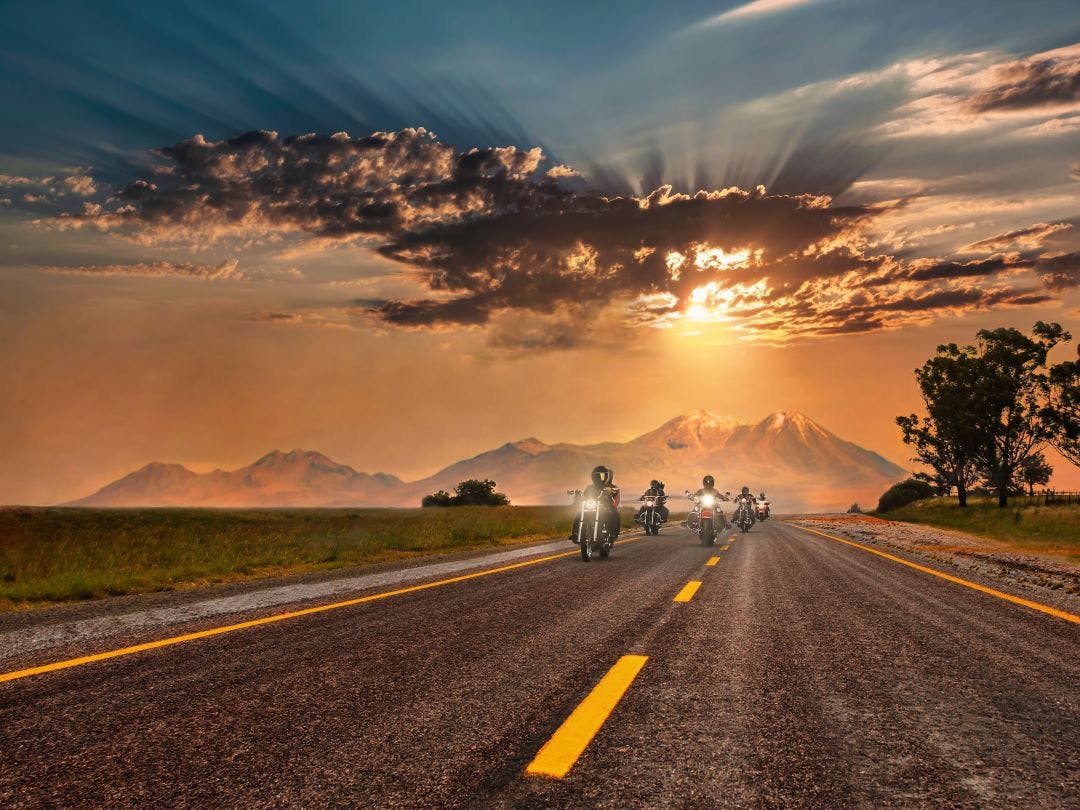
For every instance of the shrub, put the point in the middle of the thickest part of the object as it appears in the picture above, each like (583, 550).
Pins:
(468, 493)
(904, 493)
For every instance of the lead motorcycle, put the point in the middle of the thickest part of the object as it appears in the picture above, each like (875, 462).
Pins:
(705, 519)
(649, 516)
(593, 535)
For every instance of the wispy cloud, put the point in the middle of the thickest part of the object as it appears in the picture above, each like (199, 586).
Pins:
(1029, 237)
(227, 270)
(756, 8)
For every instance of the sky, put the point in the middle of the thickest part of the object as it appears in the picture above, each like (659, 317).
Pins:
(401, 234)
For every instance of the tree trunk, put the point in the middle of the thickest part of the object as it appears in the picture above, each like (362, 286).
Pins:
(961, 493)
(1003, 495)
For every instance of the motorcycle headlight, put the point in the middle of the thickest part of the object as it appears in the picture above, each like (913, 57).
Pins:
(590, 504)
(708, 500)
(650, 502)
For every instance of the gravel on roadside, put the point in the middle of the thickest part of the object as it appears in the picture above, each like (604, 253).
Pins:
(1050, 579)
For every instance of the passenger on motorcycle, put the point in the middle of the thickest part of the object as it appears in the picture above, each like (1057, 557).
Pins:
(708, 487)
(607, 494)
(655, 490)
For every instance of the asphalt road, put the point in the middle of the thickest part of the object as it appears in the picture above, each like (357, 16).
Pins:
(802, 672)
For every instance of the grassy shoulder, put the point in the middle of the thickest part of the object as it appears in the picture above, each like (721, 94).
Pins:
(1035, 529)
(57, 555)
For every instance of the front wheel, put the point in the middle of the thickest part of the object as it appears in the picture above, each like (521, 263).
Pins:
(708, 533)
(604, 551)
(585, 540)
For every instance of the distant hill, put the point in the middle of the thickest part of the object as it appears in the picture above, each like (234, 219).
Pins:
(799, 464)
(296, 478)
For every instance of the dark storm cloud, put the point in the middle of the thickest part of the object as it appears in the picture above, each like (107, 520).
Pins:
(1049, 79)
(596, 248)
(1060, 272)
(333, 186)
(489, 235)
(952, 269)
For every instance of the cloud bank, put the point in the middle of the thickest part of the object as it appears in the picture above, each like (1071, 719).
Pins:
(494, 234)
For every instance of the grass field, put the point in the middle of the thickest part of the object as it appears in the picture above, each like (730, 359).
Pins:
(1039, 529)
(61, 554)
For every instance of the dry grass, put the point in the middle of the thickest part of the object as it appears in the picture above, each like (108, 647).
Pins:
(1031, 528)
(63, 554)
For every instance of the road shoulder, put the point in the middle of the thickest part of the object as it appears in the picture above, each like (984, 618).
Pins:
(28, 633)
(1050, 580)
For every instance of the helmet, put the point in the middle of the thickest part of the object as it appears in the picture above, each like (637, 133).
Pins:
(601, 476)
(708, 482)
(746, 490)
(762, 496)
(654, 484)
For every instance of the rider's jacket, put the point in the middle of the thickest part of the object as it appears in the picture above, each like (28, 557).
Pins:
(608, 496)
(655, 492)
(717, 497)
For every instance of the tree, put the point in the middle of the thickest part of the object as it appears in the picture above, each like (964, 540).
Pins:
(945, 439)
(440, 498)
(472, 492)
(1062, 414)
(1011, 393)
(1034, 470)
(904, 493)
(479, 493)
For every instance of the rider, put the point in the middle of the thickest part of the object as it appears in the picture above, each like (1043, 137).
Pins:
(746, 498)
(655, 490)
(708, 487)
(607, 493)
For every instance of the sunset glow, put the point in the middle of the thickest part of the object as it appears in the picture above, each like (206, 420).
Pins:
(346, 255)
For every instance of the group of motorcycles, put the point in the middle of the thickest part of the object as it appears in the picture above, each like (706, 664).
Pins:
(596, 526)
(707, 520)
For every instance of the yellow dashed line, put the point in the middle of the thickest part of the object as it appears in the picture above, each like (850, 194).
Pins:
(571, 739)
(688, 591)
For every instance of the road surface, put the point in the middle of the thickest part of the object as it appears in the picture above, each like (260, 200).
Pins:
(800, 672)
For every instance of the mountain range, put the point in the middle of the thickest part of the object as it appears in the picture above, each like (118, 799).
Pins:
(799, 464)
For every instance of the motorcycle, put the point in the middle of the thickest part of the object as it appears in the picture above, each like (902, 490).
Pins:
(705, 519)
(761, 510)
(744, 515)
(593, 534)
(649, 516)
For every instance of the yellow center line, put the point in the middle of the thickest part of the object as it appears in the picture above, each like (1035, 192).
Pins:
(278, 617)
(713, 561)
(688, 591)
(1008, 597)
(726, 547)
(571, 739)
